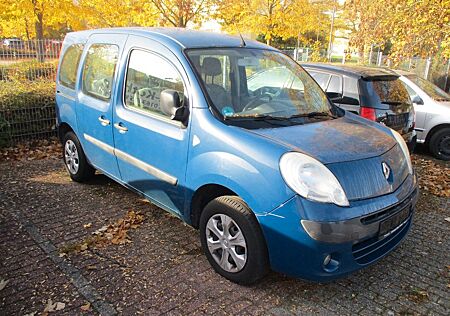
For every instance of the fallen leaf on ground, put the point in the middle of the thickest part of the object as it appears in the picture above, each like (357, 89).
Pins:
(87, 225)
(33, 150)
(447, 219)
(83, 247)
(3, 284)
(418, 296)
(115, 233)
(86, 307)
(433, 177)
(53, 307)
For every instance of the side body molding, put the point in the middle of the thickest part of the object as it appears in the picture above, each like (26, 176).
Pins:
(132, 160)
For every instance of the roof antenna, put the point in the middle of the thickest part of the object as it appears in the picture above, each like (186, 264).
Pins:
(242, 39)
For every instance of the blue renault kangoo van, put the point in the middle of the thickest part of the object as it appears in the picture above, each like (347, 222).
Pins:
(272, 174)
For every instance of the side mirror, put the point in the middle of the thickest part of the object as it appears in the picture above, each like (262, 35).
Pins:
(417, 100)
(170, 104)
(335, 96)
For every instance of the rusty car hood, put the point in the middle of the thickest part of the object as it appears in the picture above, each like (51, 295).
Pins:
(343, 139)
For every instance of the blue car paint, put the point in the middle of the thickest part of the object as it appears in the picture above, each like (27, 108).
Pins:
(244, 161)
(281, 227)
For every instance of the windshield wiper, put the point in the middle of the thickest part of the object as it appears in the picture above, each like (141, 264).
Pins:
(392, 102)
(257, 117)
(313, 114)
(273, 120)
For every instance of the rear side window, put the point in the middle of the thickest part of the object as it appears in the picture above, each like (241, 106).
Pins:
(381, 92)
(99, 69)
(147, 76)
(321, 78)
(69, 65)
(351, 93)
(335, 85)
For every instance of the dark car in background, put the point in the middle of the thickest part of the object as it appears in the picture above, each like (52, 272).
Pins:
(374, 93)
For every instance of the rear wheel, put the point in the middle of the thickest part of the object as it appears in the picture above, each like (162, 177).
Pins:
(75, 159)
(232, 240)
(440, 144)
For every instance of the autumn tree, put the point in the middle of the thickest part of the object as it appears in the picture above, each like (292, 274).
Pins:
(30, 17)
(117, 13)
(180, 12)
(413, 27)
(273, 18)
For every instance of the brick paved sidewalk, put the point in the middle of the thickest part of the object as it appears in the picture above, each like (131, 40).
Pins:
(164, 271)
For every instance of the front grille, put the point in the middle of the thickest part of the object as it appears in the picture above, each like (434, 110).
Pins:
(372, 249)
(378, 216)
(398, 121)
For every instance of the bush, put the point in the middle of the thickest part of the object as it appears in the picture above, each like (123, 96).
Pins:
(20, 94)
(29, 70)
(27, 110)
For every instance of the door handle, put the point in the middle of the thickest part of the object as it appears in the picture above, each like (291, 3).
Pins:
(122, 129)
(103, 121)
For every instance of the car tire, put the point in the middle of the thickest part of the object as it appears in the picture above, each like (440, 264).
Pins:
(440, 144)
(75, 160)
(233, 241)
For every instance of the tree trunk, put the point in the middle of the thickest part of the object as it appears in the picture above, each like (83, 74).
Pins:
(27, 30)
(39, 27)
(181, 22)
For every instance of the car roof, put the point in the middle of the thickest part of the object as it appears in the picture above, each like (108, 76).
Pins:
(352, 70)
(182, 37)
(404, 72)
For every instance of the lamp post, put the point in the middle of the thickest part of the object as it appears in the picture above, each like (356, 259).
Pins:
(330, 43)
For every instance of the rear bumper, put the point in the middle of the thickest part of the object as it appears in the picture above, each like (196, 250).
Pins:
(325, 250)
(411, 140)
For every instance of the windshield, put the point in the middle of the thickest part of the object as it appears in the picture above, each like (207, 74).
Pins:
(255, 83)
(432, 90)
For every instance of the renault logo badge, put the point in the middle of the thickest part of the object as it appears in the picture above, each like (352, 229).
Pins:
(386, 170)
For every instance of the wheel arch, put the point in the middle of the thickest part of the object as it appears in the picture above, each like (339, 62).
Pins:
(434, 130)
(63, 129)
(202, 196)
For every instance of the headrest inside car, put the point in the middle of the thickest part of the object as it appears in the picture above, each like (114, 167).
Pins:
(211, 66)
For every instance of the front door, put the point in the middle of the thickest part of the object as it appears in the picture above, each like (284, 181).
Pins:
(151, 149)
(95, 100)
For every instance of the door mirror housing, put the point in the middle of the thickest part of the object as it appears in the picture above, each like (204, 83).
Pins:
(171, 105)
(334, 96)
(417, 100)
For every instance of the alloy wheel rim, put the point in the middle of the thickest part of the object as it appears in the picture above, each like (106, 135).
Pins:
(226, 243)
(71, 156)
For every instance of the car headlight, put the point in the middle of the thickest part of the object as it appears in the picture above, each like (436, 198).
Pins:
(311, 179)
(401, 142)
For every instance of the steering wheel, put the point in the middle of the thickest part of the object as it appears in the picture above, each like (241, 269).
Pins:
(252, 103)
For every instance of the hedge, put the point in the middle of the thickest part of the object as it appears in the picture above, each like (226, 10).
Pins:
(27, 110)
(29, 70)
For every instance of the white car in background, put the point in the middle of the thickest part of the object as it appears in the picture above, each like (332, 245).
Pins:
(432, 106)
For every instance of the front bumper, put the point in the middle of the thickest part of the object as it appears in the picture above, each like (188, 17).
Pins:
(303, 245)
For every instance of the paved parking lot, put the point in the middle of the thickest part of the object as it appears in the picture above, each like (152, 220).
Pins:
(47, 254)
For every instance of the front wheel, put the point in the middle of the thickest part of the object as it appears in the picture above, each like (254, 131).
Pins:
(232, 240)
(440, 144)
(75, 159)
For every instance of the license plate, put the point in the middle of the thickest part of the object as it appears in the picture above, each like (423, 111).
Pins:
(392, 222)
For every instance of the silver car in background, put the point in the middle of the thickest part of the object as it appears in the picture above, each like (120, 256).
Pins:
(432, 106)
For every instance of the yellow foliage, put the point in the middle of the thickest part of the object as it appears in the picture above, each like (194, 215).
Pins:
(281, 18)
(413, 27)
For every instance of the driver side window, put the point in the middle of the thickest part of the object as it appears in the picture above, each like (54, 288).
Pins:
(99, 69)
(147, 76)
